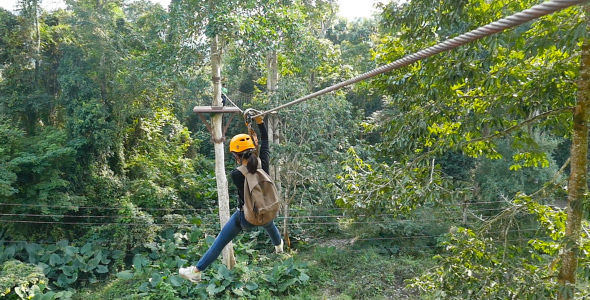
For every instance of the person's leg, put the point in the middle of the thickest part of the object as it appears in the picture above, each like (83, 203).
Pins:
(271, 229)
(273, 233)
(228, 232)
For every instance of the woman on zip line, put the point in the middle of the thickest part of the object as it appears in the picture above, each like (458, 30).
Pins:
(242, 149)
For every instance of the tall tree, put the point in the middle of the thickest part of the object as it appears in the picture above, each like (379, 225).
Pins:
(578, 180)
(218, 139)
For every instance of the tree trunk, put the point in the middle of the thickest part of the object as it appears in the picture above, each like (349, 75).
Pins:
(216, 122)
(272, 65)
(272, 85)
(273, 122)
(577, 185)
(286, 205)
(37, 38)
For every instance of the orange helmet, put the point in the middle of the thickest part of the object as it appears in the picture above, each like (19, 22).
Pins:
(240, 143)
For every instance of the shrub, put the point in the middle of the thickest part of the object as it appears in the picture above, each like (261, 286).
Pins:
(62, 263)
(26, 281)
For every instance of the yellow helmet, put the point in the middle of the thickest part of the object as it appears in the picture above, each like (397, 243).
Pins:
(240, 143)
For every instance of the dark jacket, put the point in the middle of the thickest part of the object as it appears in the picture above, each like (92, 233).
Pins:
(264, 154)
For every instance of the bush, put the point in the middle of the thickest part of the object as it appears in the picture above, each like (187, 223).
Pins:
(17, 277)
(26, 281)
(64, 264)
(134, 227)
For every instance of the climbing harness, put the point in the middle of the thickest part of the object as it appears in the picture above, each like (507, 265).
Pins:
(249, 115)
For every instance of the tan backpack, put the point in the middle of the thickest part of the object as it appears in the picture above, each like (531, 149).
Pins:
(261, 200)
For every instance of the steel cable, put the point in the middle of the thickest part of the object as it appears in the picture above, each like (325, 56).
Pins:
(479, 33)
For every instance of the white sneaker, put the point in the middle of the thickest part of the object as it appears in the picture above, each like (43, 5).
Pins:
(191, 274)
(279, 248)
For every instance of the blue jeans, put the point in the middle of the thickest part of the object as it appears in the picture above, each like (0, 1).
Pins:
(232, 228)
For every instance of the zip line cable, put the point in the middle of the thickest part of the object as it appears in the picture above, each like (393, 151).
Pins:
(509, 22)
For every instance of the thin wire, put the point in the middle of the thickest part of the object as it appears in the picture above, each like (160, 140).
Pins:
(294, 216)
(209, 209)
(479, 33)
(102, 207)
(293, 223)
(354, 238)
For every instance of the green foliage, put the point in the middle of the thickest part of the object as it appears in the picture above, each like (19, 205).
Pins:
(480, 268)
(397, 188)
(9, 137)
(455, 99)
(527, 268)
(315, 138)
(502, 101)
(498, 178)
(355, 39)
(416, 234)
(362, 274)
(35, 174)
(64, 265)
(284, 275)
(9, 21)
(157, 263)
(161, 175)
(133, 227)
(19, 280)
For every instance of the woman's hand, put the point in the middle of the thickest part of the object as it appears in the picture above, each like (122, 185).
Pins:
(253, 112)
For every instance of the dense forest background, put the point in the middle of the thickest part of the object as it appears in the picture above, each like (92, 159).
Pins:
(456, 177)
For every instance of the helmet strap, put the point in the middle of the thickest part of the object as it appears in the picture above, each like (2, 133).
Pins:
(237, 158)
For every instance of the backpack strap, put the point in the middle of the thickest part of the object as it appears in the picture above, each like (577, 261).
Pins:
(251, 180)
(243, 169)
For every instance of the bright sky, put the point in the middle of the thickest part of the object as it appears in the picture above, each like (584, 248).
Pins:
(348, 8)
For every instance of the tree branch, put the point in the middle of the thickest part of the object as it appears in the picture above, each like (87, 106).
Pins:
(517, 126)
(499, 134)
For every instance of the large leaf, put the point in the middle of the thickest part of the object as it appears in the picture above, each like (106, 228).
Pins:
(176, 280)
(93, 263)
(251, 285)
(86, 249)
(102, 269)
(127, 274)
(62, 280)
(9, 251)
(140, 261)
(156, 279)
(55, 260)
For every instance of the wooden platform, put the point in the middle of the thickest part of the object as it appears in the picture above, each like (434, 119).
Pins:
(200, 110)
(216, 109)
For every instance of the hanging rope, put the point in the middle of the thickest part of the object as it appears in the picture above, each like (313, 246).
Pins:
(479, 33)
(228, 99)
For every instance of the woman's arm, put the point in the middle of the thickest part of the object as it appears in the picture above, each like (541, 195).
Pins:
(264, 153)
